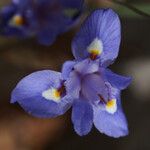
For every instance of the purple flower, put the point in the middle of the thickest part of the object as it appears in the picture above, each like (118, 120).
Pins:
(45, 19)
(86, 84)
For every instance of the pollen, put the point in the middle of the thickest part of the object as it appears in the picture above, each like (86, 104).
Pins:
(111, 103)
(57, 93)
(17, 20)
(94, 54)
(111, 106)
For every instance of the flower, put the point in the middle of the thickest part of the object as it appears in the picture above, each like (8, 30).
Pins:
(85, 83)
(45, 19)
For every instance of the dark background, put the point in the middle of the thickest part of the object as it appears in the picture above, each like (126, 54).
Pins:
(18, 58)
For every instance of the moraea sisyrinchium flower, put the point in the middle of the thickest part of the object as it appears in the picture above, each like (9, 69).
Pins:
(85, 83)
(45, 19)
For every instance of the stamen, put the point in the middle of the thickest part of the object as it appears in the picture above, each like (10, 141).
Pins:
(102, 99)
(61, 90)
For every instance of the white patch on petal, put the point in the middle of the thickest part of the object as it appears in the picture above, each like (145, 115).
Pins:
(111, 106)
(52, 94)
(16, 21)
(96, 47)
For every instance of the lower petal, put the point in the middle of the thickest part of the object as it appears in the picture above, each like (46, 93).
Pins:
(29, 94)
(114, 125)
(35, 84)
(41, 108)
(82, 117)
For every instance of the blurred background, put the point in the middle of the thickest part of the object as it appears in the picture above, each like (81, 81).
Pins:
(18, 58)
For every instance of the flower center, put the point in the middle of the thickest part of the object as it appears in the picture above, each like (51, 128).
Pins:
(95, 49)
(110, 105)
(94, 54)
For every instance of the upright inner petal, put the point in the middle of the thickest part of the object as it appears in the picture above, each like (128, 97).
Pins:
(87, 67)
(93, 86)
